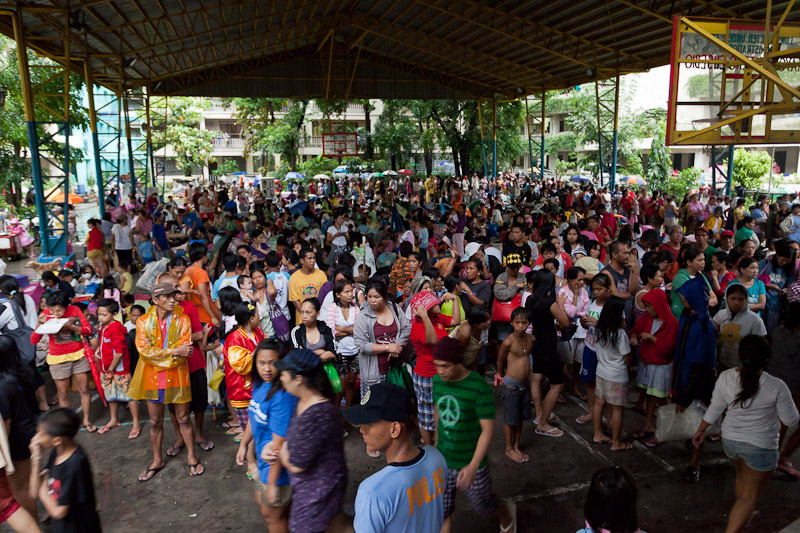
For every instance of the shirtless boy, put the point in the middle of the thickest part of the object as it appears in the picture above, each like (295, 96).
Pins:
(513, 371)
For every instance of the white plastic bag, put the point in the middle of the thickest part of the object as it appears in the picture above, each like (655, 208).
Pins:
(151, 271)
(678, 426)
(2, 267)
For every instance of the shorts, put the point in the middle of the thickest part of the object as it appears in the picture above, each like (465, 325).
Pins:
(655, 379)
(199, 384)
(350, 364)
(480, 494)
(570, 351)
(96, 254)
(284, 495)
(550, 366)
(516, 402)
(755, 457)
(125, 257)
(242, 416)
(423, 388)
(115, 386)
(8, 505)
(70, 368)
(613, 392)
(588, 365)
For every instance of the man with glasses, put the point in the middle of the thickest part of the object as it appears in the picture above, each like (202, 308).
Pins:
(164, 342)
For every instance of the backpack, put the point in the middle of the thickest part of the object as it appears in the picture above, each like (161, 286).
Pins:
(21, 335)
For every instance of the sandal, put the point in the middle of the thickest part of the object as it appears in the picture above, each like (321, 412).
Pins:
(235, 430)
(252, 476)
(582, 420)
(643, 434)
(238, 437)
(150, 473)
(552, 432)
(625, 446)
(205, 445)
(87, 426)
(228, 425)
(195, 467)
(134, 433)
(105, 429)
(173, 451)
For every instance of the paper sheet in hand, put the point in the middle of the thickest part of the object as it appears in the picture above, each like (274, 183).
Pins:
(52, 326)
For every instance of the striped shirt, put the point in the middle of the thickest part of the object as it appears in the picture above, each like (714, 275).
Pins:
(461, 406)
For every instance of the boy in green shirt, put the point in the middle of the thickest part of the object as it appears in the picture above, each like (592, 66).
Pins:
(464, 405)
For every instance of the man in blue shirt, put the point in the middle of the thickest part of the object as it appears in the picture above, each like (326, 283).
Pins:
(408, 494)
(160, 236)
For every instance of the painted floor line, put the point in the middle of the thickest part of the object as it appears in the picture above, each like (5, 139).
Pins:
(583, 442)
(636, 444)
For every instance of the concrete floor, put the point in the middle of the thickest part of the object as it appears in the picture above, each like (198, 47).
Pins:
(549, 490)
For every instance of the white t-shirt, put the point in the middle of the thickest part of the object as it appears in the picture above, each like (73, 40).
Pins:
(281, 282)
(340, 240)
(592, 310)
(8, 318)
(610, 361)
(758, 422)
(122, 237)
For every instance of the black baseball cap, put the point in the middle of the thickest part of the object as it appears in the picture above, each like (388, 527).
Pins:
(298, 360)
(382, 401)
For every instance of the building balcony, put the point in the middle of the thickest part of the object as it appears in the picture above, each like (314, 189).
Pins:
(311, 142)
(231, 143)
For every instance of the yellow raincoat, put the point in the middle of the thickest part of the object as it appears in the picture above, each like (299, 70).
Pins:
(158, 370)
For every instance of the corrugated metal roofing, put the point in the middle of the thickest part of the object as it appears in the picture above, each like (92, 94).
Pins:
(366, 48)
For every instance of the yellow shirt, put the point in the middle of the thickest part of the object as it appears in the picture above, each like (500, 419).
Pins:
(305, 286)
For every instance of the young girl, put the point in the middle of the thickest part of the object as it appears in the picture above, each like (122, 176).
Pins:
(735, 322)
(238, 360)
(613, 360)
(574, 298)
(777, 273)
(612, 503)
(111, 291)
(229, 299)
(314, 334)
(125, 278)
(341, 318)
(756, 291)
(90, 280)
(601, 289)
(270, 411)
(653, 279)
(115, 371)
(655, 332)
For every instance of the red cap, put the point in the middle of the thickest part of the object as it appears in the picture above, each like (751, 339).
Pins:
(726, 233)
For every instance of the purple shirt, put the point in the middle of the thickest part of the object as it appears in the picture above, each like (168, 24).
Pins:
(461, 224)
(316, 444)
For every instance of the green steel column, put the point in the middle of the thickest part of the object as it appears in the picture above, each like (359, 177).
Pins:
(494, 135)
(541, 146)
(125, 103)
(36, 168)
(528, 130)
(713, 169)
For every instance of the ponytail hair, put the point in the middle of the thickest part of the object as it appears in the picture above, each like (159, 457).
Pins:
(10, 288)
(755, 352)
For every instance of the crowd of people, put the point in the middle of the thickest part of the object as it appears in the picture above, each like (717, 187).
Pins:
(392, 305)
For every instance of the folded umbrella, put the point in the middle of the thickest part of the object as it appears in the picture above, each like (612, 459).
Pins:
(89, 354)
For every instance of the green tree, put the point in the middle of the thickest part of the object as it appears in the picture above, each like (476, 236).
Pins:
(192, 145)
(16, 170)
(750, 167)
(227, 167)
(395, 132)
(659, 162)
(266, 132)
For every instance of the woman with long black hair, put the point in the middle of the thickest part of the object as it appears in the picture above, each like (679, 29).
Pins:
(777, 273)
(756, 404)
(19, 414)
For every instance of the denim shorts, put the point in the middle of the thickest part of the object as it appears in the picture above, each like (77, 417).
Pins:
(755, 457)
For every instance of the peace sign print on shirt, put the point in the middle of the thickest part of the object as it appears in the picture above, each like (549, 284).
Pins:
(449, 411)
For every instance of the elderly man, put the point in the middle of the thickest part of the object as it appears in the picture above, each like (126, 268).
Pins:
(164, 342)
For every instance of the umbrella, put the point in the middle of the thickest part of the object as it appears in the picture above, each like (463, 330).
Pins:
(579, 179)
(633, 180)
(298, 207)
(340, 170)
(473, 204)
(294, 176)
(389, 173)
(89, 354)
(377, 174)
(240, 173)
(322, 177)
(405, 172)
(54, 196)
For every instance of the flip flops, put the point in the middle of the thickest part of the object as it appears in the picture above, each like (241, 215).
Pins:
(134, 433)
(205, 445)
(150, 472)
(194, 467)
(174, 451)
(552, 432)
(105, 429)
(87, 426)
(512, 527)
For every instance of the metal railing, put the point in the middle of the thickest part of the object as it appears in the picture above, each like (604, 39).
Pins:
(231, 143)
(311, 142)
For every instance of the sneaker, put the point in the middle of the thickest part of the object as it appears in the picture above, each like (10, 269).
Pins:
(691, 474)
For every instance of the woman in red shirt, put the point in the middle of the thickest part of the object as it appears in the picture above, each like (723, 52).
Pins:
(65, 353)
(426, 331)
(94, 247)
